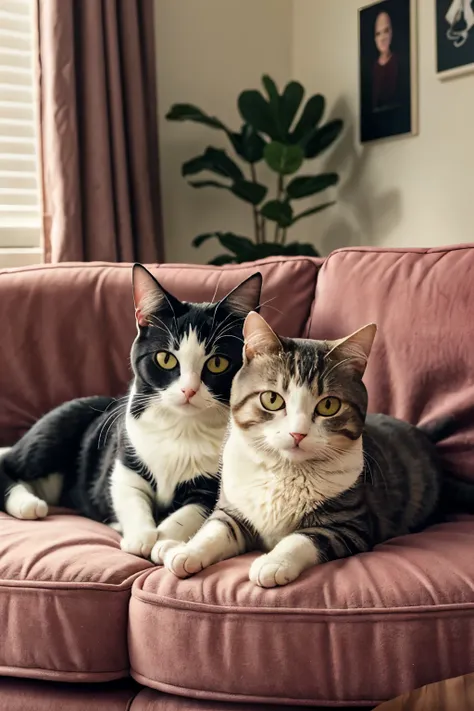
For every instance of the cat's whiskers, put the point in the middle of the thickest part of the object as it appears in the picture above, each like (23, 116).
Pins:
(120, 407)
(112, 418)
(223, 327)
(266, 304)
(368, 456)
(214, 327)
(165, 328)
(228, 335)
(326, 373)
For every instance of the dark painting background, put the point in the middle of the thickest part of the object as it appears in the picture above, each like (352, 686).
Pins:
(450, 57)
(396, 121)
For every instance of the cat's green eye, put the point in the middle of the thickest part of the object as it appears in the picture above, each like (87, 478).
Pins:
(328, 407)
(166, 360)
(217, 364)
(272, 401)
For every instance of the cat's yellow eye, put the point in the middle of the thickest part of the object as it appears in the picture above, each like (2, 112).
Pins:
(217, 364)
(166, 360)
(272, 401)
(328, 407)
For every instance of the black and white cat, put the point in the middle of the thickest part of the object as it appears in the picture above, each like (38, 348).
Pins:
(154, 454)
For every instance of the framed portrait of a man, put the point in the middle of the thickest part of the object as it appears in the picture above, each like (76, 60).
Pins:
(388, 69)
(454, 37)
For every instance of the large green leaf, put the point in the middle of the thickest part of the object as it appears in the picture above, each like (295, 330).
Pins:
(222, 259)
(271, 89)
(306, 185)
(278, 211)
(238, 245)
(248, 144)
(208, 184)
(309, 119)
(268, 249)
(256, 111)
(289, 104)
(189, 112)
(312, 211)
(251, 192)
(297, 249)
(214, 160)
(200, 239)
(283, 159)
(323, 138)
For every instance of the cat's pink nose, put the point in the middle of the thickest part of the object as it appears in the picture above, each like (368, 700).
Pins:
(297, 436)
(188, 393)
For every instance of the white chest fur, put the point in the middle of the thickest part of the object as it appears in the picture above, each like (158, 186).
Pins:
(274, 501)
(175, 450)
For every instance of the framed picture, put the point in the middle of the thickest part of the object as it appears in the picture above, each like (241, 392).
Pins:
(454, 37)
(388, 69)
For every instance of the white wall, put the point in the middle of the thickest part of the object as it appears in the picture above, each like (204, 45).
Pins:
(406, 192)
(415, 191)
(208, 51)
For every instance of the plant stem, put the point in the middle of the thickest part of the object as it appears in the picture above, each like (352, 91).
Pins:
(283, 235)
(280, 188)
(256, 221)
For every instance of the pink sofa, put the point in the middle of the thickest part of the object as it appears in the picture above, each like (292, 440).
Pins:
(78, 616)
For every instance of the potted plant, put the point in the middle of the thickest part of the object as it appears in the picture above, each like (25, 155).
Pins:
(272, 133)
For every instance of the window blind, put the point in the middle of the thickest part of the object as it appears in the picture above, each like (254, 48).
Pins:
(19, 190)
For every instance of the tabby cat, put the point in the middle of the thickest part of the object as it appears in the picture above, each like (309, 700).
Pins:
(155, 455)
(307, 477)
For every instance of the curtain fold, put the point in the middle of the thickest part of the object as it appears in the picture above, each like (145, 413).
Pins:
(98, 131)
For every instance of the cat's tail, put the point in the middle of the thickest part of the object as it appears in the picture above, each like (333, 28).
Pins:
(438, 430)
(456, 494)
(34, 471)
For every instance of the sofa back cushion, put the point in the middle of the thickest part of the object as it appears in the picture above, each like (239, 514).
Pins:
(66, 330)
(422, 363)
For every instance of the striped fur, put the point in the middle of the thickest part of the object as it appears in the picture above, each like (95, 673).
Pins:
(352, 480)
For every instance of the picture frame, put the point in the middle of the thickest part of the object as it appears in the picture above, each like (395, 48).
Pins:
(388, 70)
(454, 38)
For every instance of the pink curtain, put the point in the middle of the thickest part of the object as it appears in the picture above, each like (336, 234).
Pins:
(98, 130)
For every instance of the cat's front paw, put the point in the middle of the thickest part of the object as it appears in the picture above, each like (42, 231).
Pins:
(183, 560)
(270, 570)
(139, 543)
(160, 548)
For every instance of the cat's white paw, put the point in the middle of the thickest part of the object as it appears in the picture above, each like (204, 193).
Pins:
(139, 543)
(183, 560)
(33, 509)
(22, 504)
(270, 570)
(160, 548)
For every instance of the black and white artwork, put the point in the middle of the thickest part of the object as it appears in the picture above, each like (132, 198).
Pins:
(387, 69)
(454, 37)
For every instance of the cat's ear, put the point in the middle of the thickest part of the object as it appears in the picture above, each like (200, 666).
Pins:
(245, 297)
(259, 338)
(150, 297)
(356, 347)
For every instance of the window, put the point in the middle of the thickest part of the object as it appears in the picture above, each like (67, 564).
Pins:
(20, 216)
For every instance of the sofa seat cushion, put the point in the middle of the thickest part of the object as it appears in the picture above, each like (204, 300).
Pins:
(29, 695)
(64, 595)
(355, 631)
